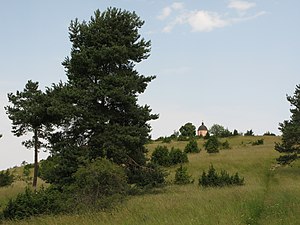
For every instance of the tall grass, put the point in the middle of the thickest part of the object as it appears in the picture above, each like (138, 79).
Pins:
(271, 194)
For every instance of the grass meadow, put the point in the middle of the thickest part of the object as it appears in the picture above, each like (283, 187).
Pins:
(270, 196)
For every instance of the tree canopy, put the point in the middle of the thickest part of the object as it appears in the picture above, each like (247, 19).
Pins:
(188, 130)
(28, 112)
(102, 117)
(219, 131)
(290, 129)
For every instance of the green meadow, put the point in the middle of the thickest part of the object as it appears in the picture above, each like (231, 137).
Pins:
(271, 194)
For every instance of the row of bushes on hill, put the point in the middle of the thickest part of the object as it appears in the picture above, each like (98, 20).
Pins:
(165, 157)
(209, 179)
(215, 179)
(212, 145)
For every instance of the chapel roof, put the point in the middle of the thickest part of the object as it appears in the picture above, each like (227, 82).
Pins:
(202, 127)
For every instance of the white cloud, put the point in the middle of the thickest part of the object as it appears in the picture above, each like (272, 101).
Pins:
(201, 21)
(205, 21)
(241, 6)
(177, 5)
(166, 12)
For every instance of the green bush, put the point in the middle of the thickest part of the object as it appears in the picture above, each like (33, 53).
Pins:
(98, 180)
(166, 140)
(6, 178)
(160, 156)
(258, 142)
(214, 179)
(192, 147)
(268, 133)
(182, 176)
(249, 133)
(287, 159)
(212, 145)
(163, 157)
(177, 156)
(29, 203)
(149, 176)
(182, 138)
(225, 145)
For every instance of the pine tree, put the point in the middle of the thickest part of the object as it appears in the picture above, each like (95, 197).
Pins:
(290, 129)
(102, 115)
(28, 112)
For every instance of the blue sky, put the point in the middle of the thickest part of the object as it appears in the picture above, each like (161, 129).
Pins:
(228, 62)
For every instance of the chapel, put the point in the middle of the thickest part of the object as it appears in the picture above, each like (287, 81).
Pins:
(202, 130)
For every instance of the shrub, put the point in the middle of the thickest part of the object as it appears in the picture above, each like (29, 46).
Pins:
(268, 133)
(225, 145)
(166, 140)
(6, 178)
(98, 180)
(249, 133)
(214, 179)
(182, 176)
(177, 156)
(212, 145)
(149, 176)
(29, 203)
(192, 147)
(160, 156)
(287, 159)
(258, 142)
(163, 157)
(182, 138)
(235, 133)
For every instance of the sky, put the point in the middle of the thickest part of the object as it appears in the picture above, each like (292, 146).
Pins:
(227, 62)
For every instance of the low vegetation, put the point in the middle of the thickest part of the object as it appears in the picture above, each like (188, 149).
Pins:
(270, 195)
(182, 176)
(214, 179)
(6, 178)
(165, 157)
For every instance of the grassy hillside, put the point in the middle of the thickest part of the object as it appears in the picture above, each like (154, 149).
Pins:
(271, 194)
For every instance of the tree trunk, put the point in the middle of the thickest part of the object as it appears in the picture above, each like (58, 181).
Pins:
(36, 165)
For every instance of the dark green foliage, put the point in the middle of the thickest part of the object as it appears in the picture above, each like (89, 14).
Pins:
(268, 133)
(192, 147)
(149, 176)
(163, 157)
(26, 169)
(182, 138)
(98, 110)
(6, 178)
(287, 159)
(235, 132)
(207, 136)
(188, 130)
(225, 145)
(176, 156)
(214, 179)
(182, 176)
(290, 129)
(28, 112)
(97, 180)
(258, 142)
(249, 133)
(219, 131)
(212, 145)
(29, 203)
(160, 156)
(166, 140)
(216, 130)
